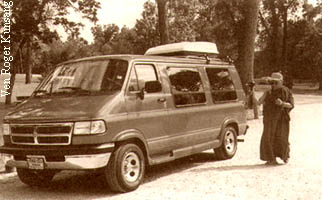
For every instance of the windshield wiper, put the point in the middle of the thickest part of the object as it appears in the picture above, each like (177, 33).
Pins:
(45, 92)
(75, 89)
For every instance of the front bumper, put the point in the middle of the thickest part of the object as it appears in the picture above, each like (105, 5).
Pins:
(80, 158)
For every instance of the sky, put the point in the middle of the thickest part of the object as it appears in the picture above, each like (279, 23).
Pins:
(119, 12)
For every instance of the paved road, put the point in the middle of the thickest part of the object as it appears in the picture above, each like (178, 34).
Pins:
(202, 177)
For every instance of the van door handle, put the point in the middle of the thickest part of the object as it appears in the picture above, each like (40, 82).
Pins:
(161, 100)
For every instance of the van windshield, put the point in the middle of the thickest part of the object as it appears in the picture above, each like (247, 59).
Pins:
(85, 78)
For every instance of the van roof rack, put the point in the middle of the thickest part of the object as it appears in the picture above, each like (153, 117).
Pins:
(193, 47)
(197, 49)
(192, 50)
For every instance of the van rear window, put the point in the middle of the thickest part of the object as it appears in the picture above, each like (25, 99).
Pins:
(221, 84)
(186, 86)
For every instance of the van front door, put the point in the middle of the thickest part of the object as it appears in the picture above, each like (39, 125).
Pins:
(147, 111)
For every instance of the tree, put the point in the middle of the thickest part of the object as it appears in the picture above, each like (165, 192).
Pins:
(181, 17)
(247, 47)
(275, 16)
(125, 41)
(163, 21)
(247, 40)
(32, 20)
(104, 37)
(56, 52)
(147, 33)
(298, 42)
(232, 26)
(109, 39)
(305, 54)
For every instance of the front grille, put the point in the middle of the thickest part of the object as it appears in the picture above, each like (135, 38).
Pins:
(41, 134)
(22, 129)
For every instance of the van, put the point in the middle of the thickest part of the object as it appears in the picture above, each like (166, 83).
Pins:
(122, 113)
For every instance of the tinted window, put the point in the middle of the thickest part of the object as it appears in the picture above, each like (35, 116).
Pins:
(222, 87)
(186, 86)
(141, 74)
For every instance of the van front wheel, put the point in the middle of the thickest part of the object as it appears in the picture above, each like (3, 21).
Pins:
(228, 147)
(126, 168)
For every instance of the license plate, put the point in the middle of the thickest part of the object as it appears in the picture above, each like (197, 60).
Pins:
(36, 162)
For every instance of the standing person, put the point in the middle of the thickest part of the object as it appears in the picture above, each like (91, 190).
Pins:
(277, 104)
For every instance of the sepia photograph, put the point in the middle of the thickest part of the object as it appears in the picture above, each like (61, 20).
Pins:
(160, 99)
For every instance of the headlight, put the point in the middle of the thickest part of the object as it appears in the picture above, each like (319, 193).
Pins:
(5, 129)
(89, 127)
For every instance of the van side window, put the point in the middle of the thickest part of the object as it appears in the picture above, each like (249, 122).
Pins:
(140, 74)
(186, 86)
(221, 84)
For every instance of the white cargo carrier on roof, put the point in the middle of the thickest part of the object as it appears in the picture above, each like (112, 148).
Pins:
(184, 48)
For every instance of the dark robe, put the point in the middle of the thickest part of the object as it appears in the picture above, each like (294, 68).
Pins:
(274, 141)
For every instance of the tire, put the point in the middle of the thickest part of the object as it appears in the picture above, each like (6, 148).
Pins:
(41, 178)
(228, 148)
(126, 168)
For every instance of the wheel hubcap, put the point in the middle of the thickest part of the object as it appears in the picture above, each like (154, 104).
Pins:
(230, 142)
(131, 167)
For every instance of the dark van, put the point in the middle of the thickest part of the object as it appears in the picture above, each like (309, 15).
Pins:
(121, 113)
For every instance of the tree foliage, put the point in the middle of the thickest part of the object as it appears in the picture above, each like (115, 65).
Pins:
(182, 16)
(104, 37)
(306, 44)
(32, 22)
(147, 29)
(291, 44)
(57, 51)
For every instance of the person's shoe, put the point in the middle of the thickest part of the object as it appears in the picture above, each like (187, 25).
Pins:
(285, 160)
(271, 162)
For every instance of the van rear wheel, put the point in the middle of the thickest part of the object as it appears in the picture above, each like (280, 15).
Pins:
(126, 168)
(228, 147)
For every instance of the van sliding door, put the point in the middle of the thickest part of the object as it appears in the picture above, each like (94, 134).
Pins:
(189, 116)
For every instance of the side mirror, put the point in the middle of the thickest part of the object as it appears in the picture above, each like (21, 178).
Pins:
(153, 86)
(149, 87)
